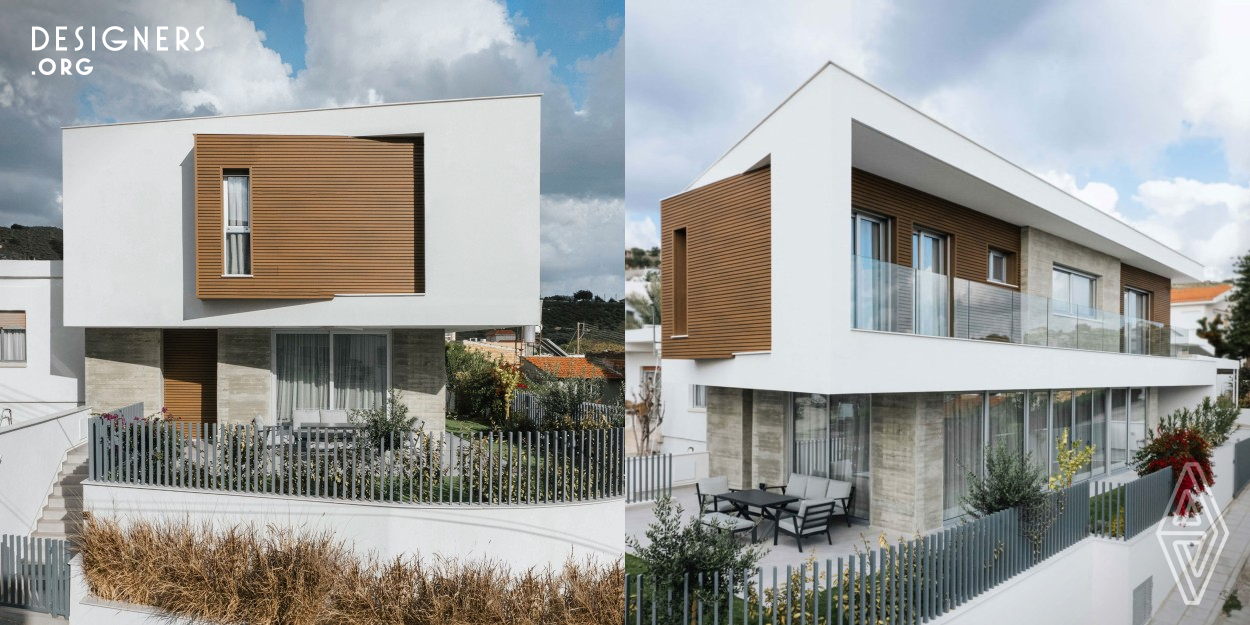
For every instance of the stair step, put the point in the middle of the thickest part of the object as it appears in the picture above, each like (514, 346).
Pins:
(73, 478)
(60, 513)
(61, 527)
(67, 490)
(75, 471)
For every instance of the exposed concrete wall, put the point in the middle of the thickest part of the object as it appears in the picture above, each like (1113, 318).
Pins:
(244, 379)
(906, 461)
(419, 359)
(724, 434)
(123, 366)
(1039, 251)
(769, 412)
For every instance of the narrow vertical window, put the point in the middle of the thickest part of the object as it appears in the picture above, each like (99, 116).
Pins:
(698, 396)
(12, 337)
(237, 190)
(679, 282)
(998, 267)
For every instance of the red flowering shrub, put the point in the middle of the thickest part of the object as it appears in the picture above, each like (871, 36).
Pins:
(1174, 449)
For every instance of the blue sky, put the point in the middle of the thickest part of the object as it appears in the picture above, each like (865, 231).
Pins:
(1142, 114)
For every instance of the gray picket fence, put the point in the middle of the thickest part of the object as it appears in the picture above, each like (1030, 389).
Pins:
(531, 406)
(34, 574)
(913, 581)
(1241, 465)
(484, 468)
(648, 477)
(1125, 510)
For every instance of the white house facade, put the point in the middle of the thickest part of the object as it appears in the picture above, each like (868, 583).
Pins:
(41, 360)
(239, 268)
(867, 295)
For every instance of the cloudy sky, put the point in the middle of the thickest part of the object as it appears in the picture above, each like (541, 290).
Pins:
(1144, 114)
(285, 54)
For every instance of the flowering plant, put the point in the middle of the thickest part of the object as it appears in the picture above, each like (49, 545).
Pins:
(1175, 448)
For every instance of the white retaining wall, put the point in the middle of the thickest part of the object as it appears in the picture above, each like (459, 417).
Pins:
(31, 454)
(521, 536)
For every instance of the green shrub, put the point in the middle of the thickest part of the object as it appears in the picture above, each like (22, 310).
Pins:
(384, 425)
(1214, 420)
(1013, 480)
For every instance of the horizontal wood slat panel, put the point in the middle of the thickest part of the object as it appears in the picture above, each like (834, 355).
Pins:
(330, 215)
(971, 234)
(12, 319)
(189, 367)
(1159, 287)
(728, 266)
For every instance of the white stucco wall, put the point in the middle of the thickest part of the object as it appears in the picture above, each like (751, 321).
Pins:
(31, 455)
(50, 380)
(836, 122)
(521, 536)
(129, 227)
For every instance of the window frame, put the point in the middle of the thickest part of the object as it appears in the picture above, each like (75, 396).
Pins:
(990, 270)
(884, 235)
(7, 362)
(698, 397)
(273, 363)
(1095, 312)
(227, 229)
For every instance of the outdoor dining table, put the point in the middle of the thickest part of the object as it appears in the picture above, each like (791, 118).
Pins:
(770, 504)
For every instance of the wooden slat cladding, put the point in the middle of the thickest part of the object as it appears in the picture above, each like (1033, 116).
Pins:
(330, 215)
(971, 234)
(189, 367)
(12, 319)
(1159, 287)
(728, 268)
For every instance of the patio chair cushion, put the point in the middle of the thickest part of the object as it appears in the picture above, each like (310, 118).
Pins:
(305, 418)
(808, 503)
(796, 485)
(838, 489)
(334, 418)
(816, 488)
(790, 526)
(718, 485)
(724, 521)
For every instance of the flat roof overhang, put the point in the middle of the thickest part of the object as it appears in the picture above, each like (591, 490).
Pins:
(877, 152)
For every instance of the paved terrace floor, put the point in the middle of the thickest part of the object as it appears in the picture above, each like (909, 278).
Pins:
(845, 539)
(1225, 578)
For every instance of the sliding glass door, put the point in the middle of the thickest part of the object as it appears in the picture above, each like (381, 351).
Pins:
(831, 439)
(873, 276)
(324, 370)
(928, 251)
(964, 449)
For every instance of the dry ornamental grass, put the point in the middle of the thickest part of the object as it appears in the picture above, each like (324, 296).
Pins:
(245, 575)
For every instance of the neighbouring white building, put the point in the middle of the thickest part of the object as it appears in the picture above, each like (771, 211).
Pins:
(1191, 303)
(867, 295)
(41, 360)
(238, 268)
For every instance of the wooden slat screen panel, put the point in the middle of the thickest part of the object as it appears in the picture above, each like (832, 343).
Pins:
(12, 319)
(728, 226)
(330, 215)
(1159, 287)
(189, 366)
(972, 234)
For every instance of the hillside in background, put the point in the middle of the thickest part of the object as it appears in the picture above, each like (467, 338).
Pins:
(604, 329)
(31, 243)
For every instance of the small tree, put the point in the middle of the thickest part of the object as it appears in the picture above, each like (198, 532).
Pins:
(1213, 332)
(1071, 458)
(1237, 336)
(677, 553)
(646, 308)
(385, 424)
(1014, 480)
(648, 411)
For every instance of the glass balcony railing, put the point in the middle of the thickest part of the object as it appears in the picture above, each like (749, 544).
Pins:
(892, 298)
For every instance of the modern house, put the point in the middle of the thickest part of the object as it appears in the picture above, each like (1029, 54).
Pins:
(41, 360)
(684, 405)
(1193, 302)
(238, 268)
(867, 295)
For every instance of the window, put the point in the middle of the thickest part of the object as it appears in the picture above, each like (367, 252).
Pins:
(1073, 293)
(1137, 327)
(651, 376)
(322, 371)
(679, 282)
(998, 266)
(832, 438)
(698, 396)
(872, 275)
(12, 336)
(932, 287)
(236, 189)
(870, 236)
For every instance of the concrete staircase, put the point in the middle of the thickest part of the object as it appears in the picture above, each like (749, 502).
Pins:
(62, 513)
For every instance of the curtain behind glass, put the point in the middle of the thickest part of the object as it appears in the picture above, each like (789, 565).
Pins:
(1061, 419)
(1039, 428)
(359, 371)
(13, 345)
(964, 432)
(303, 370)
(813, 447)
(1007, 420)
(1136, 419)
(1084, 424)
(238, 225)
(850, 422)
(1118, 428)
(1099, 437)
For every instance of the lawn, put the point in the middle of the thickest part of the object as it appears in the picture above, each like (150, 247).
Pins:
(458, 425)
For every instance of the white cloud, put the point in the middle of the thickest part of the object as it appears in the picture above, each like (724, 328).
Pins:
(641, 233)
(1100, 195)
(581, 245)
